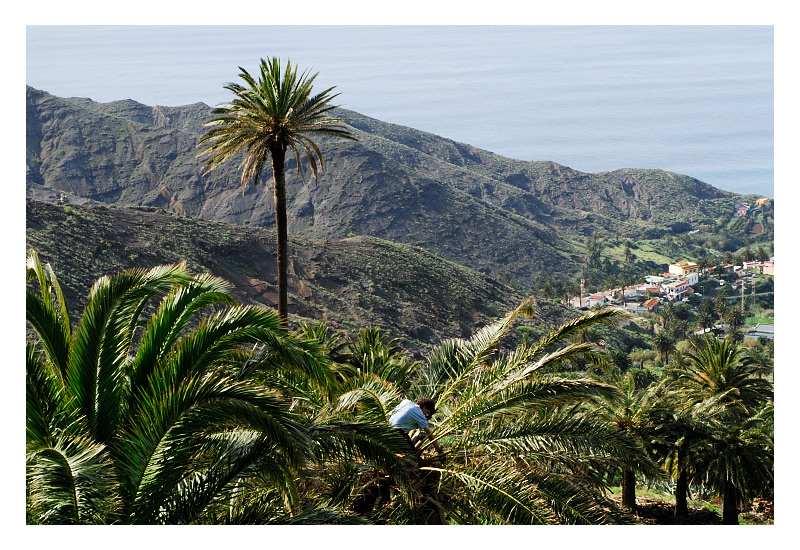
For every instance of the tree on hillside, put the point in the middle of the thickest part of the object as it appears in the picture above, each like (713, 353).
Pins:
(627, 252)
(679, 329)
(678, 437)
(761, 361)
(734, 317)
(273, 113)
(666, 316)
(740, 463)
(721, 304)
(722, 368)
(620, 359)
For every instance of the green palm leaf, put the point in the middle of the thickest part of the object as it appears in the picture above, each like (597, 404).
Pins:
(99, 351)
(71, 481)
(47, 313)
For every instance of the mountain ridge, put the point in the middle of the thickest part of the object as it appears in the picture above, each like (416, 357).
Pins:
(487, 212)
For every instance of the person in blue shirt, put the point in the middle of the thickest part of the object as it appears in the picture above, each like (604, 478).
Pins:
(409, 415)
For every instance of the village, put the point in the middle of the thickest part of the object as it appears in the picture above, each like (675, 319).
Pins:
(679, 284)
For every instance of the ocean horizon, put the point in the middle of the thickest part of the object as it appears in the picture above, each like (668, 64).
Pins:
(696, 100)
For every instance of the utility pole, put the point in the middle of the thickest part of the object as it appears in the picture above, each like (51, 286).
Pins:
(580, 298)
(742, 295)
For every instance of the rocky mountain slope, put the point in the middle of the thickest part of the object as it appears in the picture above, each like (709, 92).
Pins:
(350, 283)
(482, 210)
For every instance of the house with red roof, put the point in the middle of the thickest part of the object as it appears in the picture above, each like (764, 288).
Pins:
(676, 289)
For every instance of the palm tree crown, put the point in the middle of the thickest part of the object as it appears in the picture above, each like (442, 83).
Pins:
(270, 115)
(133, 422)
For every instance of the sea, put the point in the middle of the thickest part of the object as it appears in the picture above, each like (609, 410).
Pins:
(693, 99)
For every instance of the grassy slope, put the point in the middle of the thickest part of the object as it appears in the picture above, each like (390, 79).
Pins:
(351, 283)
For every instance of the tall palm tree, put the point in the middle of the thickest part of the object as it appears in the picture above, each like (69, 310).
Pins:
(722, 384)
(679, 329)
(705, 320)
(721, 369)
(678, 436)
(741, 459)
(761, 361)
(134, 422)
(721, 304)
(663, 344)
(666, 315)
(273, 113)
(735, 318)
(629, 412)
(620, 359)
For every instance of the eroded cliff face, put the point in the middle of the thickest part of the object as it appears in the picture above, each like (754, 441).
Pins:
(467, 205)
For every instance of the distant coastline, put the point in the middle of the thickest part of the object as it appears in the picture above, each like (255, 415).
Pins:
(692, 100)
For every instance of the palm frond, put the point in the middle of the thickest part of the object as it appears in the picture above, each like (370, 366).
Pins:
(375, 444)
(168, 322)
(452, 363)
(523, 396)
(47, 313)
(503, 493)
(164, 439)
(369, 398)
(99, 351)
(573, 501)
(574, 326)
(49, 412)
(319, 515)
(71, 482)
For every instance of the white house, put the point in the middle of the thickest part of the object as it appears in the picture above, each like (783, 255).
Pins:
(596, 299)
(630, 292)
(675, 289)
(692, 278)
(645, 288)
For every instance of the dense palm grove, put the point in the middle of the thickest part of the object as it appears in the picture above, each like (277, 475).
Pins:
(169, 403)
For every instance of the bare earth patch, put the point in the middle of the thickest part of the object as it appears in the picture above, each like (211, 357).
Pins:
(654, 511)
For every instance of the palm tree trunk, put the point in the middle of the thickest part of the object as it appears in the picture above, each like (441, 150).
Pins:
(629, 489)
(730, 513)
(278, 157)
(681, 489)
(681, 486)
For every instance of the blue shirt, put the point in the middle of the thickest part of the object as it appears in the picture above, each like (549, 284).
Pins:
(408, 415)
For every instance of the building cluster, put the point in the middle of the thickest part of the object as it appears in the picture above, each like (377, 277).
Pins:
(674, 285)
(741, 209)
